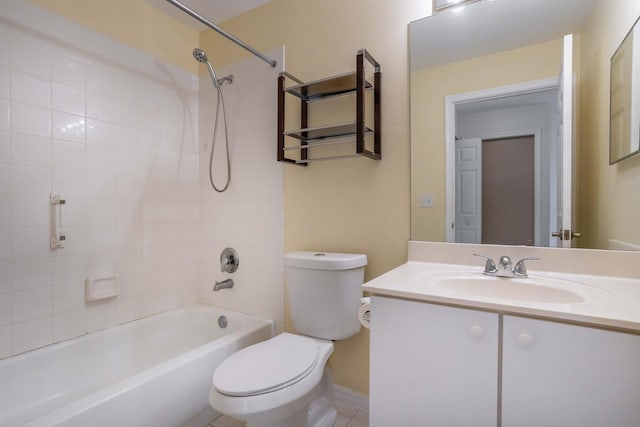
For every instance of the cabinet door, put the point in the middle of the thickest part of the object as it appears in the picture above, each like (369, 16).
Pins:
(564, 375)
(432, 365)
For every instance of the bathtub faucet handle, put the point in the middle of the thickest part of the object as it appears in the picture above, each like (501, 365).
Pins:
(229, 260)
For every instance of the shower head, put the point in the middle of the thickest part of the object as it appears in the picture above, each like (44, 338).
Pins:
(200, 55)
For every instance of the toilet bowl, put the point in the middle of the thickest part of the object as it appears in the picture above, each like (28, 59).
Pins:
(281, 382)
(284, 381)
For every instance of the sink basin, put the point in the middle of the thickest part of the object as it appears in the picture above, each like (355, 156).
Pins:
(533, 289)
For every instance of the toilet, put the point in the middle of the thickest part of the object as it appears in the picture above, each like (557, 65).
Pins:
(283, 382)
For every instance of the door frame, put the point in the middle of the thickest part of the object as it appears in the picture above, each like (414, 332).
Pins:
(450, 102)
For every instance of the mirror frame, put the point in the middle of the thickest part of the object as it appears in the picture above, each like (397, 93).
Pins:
(632, 109)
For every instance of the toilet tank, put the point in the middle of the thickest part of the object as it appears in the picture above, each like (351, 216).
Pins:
(324, 291)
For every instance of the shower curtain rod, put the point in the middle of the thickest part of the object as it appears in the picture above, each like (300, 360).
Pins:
(222, 32)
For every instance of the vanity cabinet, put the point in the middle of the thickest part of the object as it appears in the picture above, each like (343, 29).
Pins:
(434, 365)
(554, 374)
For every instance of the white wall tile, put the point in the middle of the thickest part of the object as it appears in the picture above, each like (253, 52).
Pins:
(101, 133)
(4, 82)
(6, 212)
(130, 284)
(31, 211)
(102, 263)
(32, 304)
(68, 69)
(31, 181)
(69, 268)
(101, 159)
(24, 48)
(32, 242)
(5, 309)
(5, 147)
(101, 78)
(5, 341)
(74, 212)
(101, 212)
(32, 273)
(5, 277)
(31, 150)
(101, 237)
(102, 315)
(70, 183)
(6, 243)
(69, 127)
(4, 114)
(4, 46)
(31, 334)
(69, 324)
(129, 309)
(101, 107)
(68, 99)
(76, 241)
(69, 155)
(29, 119)
(30, 90)
(68, 297)
(100, 185)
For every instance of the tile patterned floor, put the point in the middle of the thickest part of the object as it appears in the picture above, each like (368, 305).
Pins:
(348, 416)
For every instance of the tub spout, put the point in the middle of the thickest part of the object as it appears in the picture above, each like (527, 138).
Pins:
(225, 284)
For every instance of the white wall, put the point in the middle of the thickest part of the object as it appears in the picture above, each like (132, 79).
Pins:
(249, 216)
(113, 130)
(116, 132)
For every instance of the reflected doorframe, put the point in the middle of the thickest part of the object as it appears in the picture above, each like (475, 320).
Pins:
(450, 102)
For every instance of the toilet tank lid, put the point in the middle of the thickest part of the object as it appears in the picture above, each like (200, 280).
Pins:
(324, 260)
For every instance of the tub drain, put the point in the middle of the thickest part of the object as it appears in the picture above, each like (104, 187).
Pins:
(222, 321)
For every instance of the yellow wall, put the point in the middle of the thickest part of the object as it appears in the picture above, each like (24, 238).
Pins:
(355, 205)
(135, 23)
(609, 196)
(430, 86)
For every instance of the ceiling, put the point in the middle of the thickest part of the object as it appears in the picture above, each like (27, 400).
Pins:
(487, 27)
(215, 11)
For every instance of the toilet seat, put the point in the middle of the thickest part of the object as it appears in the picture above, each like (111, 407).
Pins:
(267, 366)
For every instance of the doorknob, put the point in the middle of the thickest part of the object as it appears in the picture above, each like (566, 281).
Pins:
(566, 234)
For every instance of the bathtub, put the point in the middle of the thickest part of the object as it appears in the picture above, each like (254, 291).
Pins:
(151, 372)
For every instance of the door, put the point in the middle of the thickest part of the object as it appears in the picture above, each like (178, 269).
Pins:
(508, 191)
(468, 219)
(565, 230)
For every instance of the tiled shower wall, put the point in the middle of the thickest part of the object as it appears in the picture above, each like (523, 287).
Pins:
(249, 215)
(115, 132)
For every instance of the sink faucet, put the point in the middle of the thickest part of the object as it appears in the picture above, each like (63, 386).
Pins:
(225, 284)
(503, 269)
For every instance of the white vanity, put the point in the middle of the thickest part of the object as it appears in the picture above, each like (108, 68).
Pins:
(453, 347)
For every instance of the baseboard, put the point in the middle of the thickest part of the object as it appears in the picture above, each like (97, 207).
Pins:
(349, 397)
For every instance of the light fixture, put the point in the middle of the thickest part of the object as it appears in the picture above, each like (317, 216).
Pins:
(440, 5)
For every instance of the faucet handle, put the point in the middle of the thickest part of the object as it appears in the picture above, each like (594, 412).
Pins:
(490, 265)
(520, 269)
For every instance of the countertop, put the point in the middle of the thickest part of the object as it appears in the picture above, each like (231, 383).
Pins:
(607, 302)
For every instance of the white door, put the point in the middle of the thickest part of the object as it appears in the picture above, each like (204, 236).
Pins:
(564, 226)
(468, 219)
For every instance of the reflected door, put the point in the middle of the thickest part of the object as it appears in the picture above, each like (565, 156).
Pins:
(468, 219)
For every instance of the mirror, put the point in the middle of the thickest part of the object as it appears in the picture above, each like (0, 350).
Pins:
(492, 47)
(624, 139)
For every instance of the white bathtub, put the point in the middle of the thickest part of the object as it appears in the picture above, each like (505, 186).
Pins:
(152, 372)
